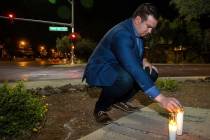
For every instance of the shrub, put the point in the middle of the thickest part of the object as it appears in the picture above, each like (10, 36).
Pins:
(20, 111)
(167, 84)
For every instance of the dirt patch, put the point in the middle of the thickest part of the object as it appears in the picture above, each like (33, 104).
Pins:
(70, 112)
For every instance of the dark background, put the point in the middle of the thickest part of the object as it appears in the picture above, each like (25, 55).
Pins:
(89, 22)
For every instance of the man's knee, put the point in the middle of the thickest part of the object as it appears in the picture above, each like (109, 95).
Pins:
(125, 80)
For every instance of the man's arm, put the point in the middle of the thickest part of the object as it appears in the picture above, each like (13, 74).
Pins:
(124, 50)
(168, 103)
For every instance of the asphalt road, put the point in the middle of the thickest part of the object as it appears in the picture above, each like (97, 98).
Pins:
(32, 71)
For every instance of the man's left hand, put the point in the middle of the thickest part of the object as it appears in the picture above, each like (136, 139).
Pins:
(146, 63)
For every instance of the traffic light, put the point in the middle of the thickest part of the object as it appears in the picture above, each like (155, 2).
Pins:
(11, 17)
(73, 37)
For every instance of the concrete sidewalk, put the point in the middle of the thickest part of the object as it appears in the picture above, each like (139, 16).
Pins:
(151, 123)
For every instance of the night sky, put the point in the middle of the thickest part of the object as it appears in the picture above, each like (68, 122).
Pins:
(89, 22)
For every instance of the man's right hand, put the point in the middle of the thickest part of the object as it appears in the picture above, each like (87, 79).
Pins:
(168, 103)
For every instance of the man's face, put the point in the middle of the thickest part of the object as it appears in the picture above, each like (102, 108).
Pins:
(145, 27)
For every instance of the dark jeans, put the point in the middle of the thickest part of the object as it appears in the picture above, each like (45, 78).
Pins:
(123, 89)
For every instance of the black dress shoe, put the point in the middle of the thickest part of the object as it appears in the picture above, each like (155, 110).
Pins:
(125, 107)
(102, 117)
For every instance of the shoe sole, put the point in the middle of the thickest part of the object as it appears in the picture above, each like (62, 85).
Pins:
(118, 107)
(107, 123)
(104, 122)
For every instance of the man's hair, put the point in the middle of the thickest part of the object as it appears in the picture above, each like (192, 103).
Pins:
(144, 10)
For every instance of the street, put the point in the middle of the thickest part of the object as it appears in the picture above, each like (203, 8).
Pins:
(31, 71)
(36, 71)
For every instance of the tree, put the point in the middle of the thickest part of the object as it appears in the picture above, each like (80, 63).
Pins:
(63, 44)
(168, 32)
(87, 3)
(194, 13)
(84, 48)
(11, 47)
(191, 12)
(192, 9)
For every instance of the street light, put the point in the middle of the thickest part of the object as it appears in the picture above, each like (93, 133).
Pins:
(42, 48)
(22, 44)
(53, 50)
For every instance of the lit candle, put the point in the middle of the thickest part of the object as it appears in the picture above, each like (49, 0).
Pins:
(172, 127)
(179, 121)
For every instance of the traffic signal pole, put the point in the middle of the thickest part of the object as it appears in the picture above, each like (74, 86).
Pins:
(39, 21)
(72, 30)
(72, 15)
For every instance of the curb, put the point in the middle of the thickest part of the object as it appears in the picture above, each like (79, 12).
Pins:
(61, 82)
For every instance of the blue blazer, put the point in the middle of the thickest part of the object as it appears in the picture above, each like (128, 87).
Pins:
(120, 46)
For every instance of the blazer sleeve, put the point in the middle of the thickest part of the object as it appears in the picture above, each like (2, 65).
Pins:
(123, 48)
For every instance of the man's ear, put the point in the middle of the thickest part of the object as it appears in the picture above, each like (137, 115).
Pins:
(138, 20)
